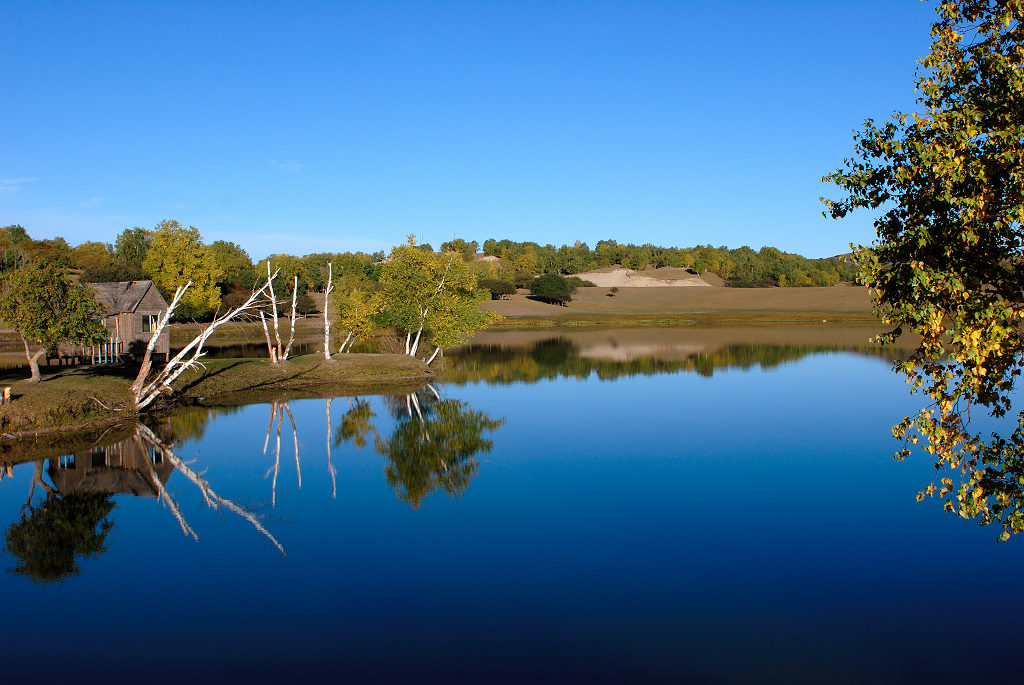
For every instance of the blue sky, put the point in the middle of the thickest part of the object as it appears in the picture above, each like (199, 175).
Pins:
(326, 126)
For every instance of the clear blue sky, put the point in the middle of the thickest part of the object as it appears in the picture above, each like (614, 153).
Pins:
(326, 126)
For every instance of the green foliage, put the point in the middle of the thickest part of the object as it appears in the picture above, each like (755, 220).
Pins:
(438, 293)
(466, 249)
(550, 288)
(45, 307)
(177, 255)
(288, 268)
(437, 452)
(948, 182)
(132, 245)
(305, 305)
(357, 309)
(48, 541)
(91, 256)
(356, 424)
(497, 287)
(742, 267)
(237, 271)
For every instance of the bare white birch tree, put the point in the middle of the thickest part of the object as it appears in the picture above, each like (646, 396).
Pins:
(327, 319)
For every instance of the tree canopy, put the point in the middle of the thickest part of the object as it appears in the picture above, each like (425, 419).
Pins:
(177, 255)
(426, 291)
(947, 186)
(46, 308)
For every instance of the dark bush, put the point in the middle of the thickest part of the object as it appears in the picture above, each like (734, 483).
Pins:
(550, 288)
(499, 289)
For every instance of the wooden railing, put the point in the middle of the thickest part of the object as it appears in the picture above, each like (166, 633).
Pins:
(105, 353)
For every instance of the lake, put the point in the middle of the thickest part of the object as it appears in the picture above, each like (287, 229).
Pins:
(668, 505)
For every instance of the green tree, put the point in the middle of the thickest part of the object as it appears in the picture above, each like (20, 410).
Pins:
(499, 289)
(948, 185)
(357, 309)
(91, 256)
(464, 248)
(423, 291)
(176, 256)
(237, 271)
(46, 308)
(550, 288)
(132, 245)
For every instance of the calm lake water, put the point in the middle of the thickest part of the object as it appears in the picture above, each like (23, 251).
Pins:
(609, 507)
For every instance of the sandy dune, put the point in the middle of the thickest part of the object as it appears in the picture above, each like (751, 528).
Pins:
(617, 277)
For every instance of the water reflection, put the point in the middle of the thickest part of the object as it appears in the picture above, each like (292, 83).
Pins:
(51, 536)
(429, 444)
(531, 356)
(70, 523)
(433, 446)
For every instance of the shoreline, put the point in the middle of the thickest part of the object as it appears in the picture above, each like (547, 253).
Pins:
(93, 399)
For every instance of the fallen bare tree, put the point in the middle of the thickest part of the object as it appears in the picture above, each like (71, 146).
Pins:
(146, 392)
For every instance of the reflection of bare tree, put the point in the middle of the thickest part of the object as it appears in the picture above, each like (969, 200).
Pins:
(278, 410)
(330, 466)
(212, 499)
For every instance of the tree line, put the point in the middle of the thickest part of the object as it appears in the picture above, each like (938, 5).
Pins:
(223, 273)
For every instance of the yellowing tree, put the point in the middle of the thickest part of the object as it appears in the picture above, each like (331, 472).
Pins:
(948, 265)
(177, 255)
(423, 291)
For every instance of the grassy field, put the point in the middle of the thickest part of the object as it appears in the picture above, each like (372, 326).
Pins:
(684, 306)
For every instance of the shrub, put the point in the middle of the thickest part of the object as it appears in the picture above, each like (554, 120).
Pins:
(550, 288)
(577, 282)
(499, 289)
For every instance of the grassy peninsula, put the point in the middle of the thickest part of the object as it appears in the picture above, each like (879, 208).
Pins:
(98, 397)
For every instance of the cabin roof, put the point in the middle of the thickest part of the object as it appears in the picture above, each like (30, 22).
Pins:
(118, 297)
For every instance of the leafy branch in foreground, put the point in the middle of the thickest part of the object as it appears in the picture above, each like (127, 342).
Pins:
(948, 264)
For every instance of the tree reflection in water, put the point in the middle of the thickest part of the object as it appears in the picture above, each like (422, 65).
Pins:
(71, 523)
(433, 446)
(49, 538)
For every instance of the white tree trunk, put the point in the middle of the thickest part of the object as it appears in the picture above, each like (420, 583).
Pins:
(327, 308)
(273, 303)
(291, 336)
(436, 351)
(271, 352)
(147, 358)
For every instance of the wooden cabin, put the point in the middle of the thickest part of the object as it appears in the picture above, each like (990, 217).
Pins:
(131, 311)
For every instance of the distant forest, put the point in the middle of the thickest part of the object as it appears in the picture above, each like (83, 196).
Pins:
(233, 271)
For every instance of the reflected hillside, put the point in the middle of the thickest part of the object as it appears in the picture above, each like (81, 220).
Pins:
(531, 356)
